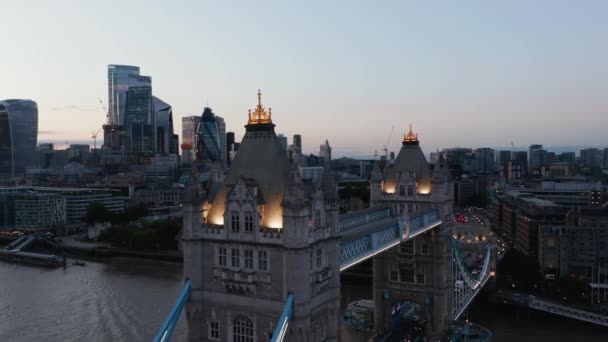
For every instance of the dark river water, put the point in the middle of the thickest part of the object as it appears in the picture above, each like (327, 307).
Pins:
(128, 299)
(118, 300)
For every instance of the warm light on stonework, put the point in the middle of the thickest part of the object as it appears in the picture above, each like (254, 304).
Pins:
(259, 115)
(276, 223)
(217, 219)
(424, 190)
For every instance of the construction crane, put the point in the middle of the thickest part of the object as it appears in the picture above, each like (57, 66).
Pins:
(94, 137)
(104, 108)
(385, 147)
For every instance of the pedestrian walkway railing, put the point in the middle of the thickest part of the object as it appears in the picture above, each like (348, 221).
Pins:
(281, 328)
(166, 330)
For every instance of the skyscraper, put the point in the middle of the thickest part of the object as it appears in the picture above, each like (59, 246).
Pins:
(189, 127)
(297, 144)
(120, 78)
(537, 157)
(139, 121)
(283, 141)
(325, 151)
(211, 140)
(502, 157)
(116, 133)
(165, 137)
(18, 135)
(484, 159)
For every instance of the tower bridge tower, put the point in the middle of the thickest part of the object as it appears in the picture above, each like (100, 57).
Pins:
(256, 235)
(419, 269)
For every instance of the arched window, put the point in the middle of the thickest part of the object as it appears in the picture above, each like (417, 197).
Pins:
(235, 221)
(401, 190)
(242, 329)
(410, 190)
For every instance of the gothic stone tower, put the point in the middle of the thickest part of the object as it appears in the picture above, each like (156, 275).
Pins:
(257, 235)
(417, 270)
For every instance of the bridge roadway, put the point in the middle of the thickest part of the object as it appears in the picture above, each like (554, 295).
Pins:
(367, 233)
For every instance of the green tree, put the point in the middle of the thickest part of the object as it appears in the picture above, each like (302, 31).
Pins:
(96, 213)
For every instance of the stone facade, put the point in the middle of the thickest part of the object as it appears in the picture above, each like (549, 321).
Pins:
(243, 264)
(418, 270)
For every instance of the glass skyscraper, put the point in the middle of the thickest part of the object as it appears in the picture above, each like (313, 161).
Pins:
(211, 140)
(166, 139)
(120, 78)
(18, 135)
(139, 121)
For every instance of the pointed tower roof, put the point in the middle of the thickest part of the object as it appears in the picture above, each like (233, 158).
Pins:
(261, 159)
(410, 159)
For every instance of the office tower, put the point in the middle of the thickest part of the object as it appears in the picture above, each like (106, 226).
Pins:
(522, 158)
(139, 121)
(484, 159)
(536, 158)
(189, 127)
(120, 79)
(502, 157)
(325, 151)
(282, 141)
(605, 158)
(18, 135)
(566, 157)
(211, 140)
(165, 136)
(297, 144)
(591, 157)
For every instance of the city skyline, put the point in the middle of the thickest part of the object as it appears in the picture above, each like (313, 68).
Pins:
(514, 73)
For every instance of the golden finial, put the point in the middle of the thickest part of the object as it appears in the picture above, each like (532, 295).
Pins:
(410, 137)
(259, 115)
(259, 97)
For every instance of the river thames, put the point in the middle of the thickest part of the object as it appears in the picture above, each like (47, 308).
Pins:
(128, 299)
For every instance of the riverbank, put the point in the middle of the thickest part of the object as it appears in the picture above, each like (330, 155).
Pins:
(72, 247)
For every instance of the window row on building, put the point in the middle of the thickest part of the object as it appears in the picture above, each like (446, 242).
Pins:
(242, 258)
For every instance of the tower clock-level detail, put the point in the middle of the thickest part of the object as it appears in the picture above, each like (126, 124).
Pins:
(254, 236)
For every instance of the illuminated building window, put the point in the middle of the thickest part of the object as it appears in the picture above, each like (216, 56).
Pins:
(263, 261)
(221, 256)
(410, 190)
(235, 221)
(407, 247)
(401, 190)
(214, 330)
(248, 221)
(248, 259)
(236, 257)
(242, 329)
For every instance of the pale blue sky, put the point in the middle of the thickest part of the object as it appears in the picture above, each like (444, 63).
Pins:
(465, 73)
